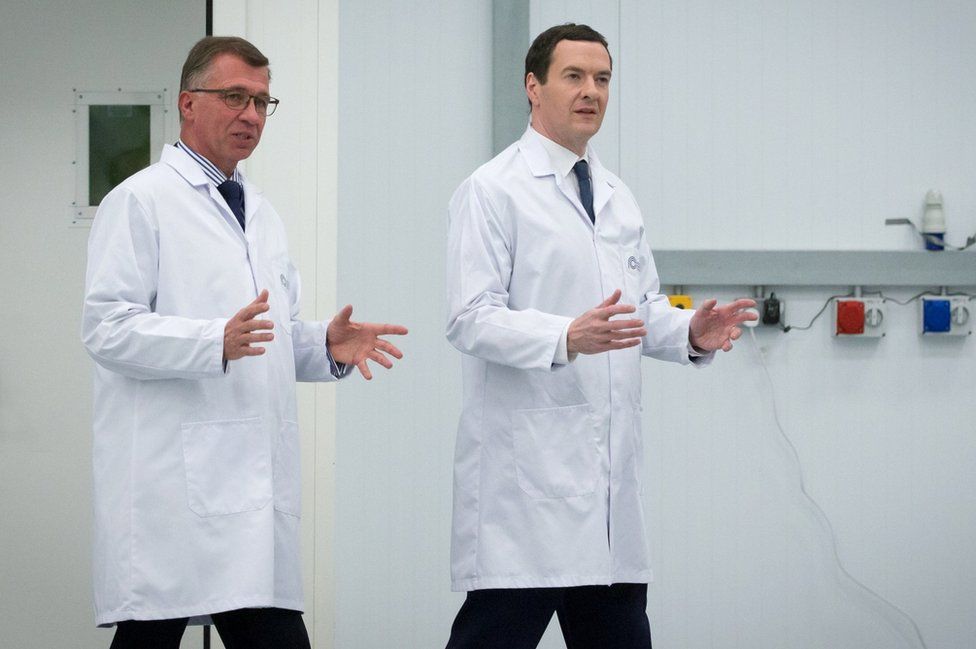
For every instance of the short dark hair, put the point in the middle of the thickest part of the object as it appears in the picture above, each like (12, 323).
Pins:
(539, 56)
(208, 48)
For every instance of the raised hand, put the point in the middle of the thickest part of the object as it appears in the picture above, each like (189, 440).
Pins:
(242, 330)
(353, 343)
(594, 332)
(715, 327)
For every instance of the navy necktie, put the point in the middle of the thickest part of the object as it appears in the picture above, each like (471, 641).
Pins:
(582, 171)
(233, 193)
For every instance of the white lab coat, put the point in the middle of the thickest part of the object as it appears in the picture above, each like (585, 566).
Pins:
(196, 470)
(547, 474)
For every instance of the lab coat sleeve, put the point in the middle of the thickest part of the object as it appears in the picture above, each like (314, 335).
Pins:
(667, 326)
(479, 267)
(313, 362)
(119, 328)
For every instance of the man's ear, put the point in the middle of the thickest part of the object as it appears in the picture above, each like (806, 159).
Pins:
(532, 88)
(185, 103)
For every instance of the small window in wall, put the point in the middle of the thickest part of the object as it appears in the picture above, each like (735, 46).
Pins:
(118, 133)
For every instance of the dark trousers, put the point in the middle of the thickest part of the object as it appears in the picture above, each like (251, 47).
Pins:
(246, 628)
(591, 617)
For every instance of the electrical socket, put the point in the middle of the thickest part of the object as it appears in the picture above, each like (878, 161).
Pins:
(859, 317)
(771, 310)
(945, 315)
(680, 301)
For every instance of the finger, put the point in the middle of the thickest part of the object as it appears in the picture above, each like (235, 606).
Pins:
(262, 297)
(377, 357)
(742, 303)
(344, 314)
(389, 348)
(388, 329)
(613, 299)
(736, 332)
(615, 309)
(628, 333)
(708, 305)
(727, 347)
(250, 351)
(248, 339)
(616, 325)
(623, 344)
(253, 310)
(364, 370)
(255, 325)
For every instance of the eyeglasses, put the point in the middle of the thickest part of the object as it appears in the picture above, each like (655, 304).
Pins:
(238, 100)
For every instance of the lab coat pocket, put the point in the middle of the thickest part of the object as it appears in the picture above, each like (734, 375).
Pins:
(556, 452)
(228, 467)
(287, 471)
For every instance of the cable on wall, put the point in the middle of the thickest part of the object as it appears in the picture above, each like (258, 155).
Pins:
(787, 328)
(916, 635)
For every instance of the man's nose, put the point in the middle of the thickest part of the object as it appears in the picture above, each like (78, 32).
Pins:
(250, 112)
(589, 87)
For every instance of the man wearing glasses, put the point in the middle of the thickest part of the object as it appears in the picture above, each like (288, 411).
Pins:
(191, 317)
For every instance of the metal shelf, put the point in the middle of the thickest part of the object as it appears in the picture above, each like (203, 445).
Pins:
(815, 268)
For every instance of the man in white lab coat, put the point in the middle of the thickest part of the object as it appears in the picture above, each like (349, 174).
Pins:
(190, 314)
(553, 299)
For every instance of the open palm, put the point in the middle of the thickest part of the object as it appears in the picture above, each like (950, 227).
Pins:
(715, 327)
(353, 343)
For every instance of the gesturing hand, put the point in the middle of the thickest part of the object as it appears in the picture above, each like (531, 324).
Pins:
(715, 327)
(243, 329)
(353, 343)
(594, 332)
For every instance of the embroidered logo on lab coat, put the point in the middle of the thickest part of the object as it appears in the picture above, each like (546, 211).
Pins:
(633, 264)
(284, 281)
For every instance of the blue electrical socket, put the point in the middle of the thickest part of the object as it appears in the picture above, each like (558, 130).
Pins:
(936, 316)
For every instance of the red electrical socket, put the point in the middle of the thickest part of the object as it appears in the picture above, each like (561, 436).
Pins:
(850, 317)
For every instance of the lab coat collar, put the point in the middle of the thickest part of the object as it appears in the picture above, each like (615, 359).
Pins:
(604, 181)
(191, 171)
(537, 158)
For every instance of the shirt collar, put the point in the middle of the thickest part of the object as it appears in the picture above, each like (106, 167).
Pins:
(215, 175)
(561, 158)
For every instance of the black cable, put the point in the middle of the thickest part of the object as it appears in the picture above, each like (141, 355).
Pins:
(788, 328)
(909, 300)
(933, 293)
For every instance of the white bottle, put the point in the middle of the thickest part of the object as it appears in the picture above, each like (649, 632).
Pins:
(933, 221)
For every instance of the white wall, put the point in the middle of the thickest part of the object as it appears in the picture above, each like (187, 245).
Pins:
(797, 124)
(46, 49)
(414, 120)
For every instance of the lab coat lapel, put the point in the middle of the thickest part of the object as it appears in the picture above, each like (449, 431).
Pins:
(540, 165)
(253, 198)
(604, 183)
(188, 168)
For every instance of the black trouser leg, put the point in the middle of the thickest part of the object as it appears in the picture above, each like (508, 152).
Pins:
(605, 617)
(261, 628)
(503, 618)
(149, 634)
